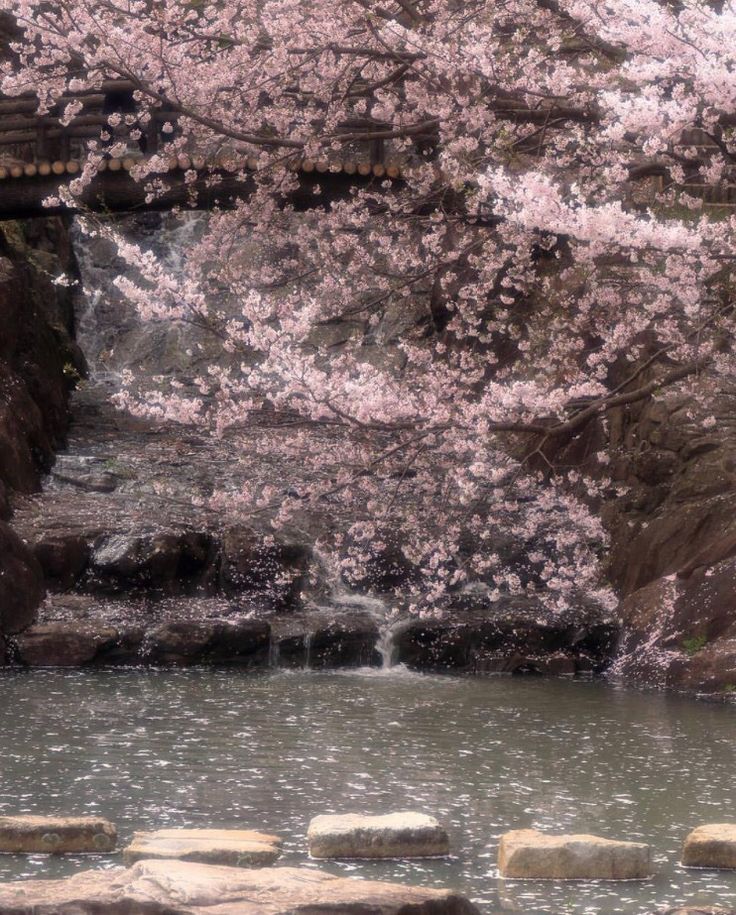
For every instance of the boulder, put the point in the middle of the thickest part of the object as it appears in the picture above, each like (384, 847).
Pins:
(183, 888)
(528, 854)
(394, 835)
(178, 642)
(21, 582)
(514, 636)
(33, 835)
(713, 845)
(680, 632)
(63, 644)
(263, 566)
(345, 642)
(208, 641)
(232, 847)
(325, 639)
(167, 561)
(63, 556)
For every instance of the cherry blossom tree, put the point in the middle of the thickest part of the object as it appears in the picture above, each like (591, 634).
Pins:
(546, 256)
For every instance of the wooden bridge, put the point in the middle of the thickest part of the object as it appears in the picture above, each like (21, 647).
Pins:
(39, 155)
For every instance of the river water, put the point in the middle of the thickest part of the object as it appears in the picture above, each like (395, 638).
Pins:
(232, 749)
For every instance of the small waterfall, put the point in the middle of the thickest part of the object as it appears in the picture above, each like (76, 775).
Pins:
(109, 330)
(386, 646)
(342, 598)
(386, 620)
(273, 653)
(642, 656)
(308, 650)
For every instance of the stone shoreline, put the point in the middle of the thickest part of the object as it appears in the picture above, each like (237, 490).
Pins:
(322, 640)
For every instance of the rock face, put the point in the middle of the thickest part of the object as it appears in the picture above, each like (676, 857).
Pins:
(231, 847)
(63, 644)
(512, 637)
(178, 642)
(37, 356)
(673, 549)
(527, 854)
(680, 632)
(21, 582)
(395, 835)
(163, 561)
(325, 638)
(36, 345)
(713, 845)
(180, 888)
(33, 835)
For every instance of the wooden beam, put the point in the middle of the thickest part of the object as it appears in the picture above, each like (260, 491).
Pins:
(114, 191)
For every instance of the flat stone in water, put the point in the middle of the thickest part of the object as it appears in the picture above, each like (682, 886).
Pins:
(698, 910)
(33, 835)
(712, 845)
(527, 854)
(394, 835)
(181, 888)
(233, 847)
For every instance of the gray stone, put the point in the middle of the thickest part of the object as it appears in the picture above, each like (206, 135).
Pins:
(71, 644)
(232, 847)
(528, 854)
(394, 835)
(696, 910)
(32, 835)
(713, 845)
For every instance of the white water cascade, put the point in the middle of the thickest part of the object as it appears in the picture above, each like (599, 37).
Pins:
(341, 597)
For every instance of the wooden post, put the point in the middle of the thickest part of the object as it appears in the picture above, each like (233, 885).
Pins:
(41, 151)
(377, 152)
(152, 136)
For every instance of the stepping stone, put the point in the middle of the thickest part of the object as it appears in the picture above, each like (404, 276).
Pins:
(532, 855)
(713, 845)
(33, 835)
(183, 888)
(395, 835)
(233, 847)
(698, 910)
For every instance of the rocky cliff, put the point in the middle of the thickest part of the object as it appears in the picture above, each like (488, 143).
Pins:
(38, 364)
(113, 520)
(673, 555)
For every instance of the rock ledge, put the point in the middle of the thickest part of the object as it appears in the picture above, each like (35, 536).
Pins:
(179, 888)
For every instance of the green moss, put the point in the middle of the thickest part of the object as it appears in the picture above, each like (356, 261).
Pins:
(71, 374)
(694, 644)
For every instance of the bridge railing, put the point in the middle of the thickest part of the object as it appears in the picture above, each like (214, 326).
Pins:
(39, 144)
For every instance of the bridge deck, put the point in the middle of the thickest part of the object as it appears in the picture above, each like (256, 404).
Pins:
(39, 154)
(25, 187)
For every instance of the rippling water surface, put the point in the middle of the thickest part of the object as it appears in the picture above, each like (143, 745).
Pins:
(225, 748)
